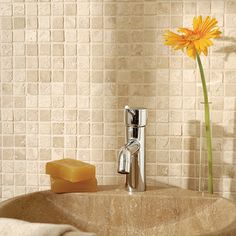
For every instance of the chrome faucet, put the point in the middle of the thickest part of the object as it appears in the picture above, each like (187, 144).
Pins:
(131, 159)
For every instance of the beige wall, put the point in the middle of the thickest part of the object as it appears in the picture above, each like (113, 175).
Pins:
(69, 67)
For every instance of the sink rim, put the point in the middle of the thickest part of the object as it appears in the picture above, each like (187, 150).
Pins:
(162, 192)
(119, 190)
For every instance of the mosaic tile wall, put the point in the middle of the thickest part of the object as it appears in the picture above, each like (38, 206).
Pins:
(69, 67)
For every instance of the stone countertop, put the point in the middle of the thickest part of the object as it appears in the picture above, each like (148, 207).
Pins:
(162, 210)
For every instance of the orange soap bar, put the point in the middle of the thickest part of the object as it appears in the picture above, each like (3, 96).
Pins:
(70, 170)
(63, 186)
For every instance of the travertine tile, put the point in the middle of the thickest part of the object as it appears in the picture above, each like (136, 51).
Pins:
(19, 22)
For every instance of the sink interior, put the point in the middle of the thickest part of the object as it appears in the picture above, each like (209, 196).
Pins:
(113, 211)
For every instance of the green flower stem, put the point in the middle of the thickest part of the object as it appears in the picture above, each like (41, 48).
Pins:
(208, 127)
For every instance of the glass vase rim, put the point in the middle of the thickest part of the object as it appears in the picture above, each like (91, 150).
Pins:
(210, 103)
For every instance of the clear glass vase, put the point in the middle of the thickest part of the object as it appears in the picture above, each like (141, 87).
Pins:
(203, 158)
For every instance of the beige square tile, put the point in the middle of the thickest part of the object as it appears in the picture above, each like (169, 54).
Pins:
(58, 36)
(18, 9)
(70, 9)
(6, 23)
(57, 22)
(44, 9)
(230, 6)
(19, 22)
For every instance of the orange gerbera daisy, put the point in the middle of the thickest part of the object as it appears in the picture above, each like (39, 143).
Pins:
(197, 40)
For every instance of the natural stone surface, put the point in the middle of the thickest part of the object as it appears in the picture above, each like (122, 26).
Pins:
(112, 211)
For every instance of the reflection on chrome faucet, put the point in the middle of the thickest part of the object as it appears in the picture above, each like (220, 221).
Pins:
(131, 159)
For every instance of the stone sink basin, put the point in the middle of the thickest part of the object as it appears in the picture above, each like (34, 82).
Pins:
(162, 210)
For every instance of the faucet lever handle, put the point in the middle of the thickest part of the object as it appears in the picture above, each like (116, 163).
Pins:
(131, 111)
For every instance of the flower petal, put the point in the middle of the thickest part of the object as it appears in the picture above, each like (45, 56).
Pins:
(185, 31)
(205, 51)
(191, 51)
(197, 21)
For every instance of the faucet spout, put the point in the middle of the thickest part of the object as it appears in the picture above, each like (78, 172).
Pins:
(125, 154)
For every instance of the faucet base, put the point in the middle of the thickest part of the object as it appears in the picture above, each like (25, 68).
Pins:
(134, 182)
(134, 190)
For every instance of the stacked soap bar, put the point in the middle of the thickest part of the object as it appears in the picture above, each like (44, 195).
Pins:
(69, 175)
(63, 186)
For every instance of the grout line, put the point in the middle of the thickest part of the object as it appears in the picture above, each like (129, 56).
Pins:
(103, 83)
(13, 123)
(169, 110)
(90, 83)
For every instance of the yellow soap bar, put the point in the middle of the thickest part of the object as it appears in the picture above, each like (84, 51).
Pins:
(63, 186)
(70, 170)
